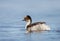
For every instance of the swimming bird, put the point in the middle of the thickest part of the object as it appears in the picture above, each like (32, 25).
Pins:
(37, 26)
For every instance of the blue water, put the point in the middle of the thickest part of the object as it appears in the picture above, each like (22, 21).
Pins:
(8, 33)
(12, 28)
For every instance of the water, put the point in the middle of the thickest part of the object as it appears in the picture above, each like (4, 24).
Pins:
(8, 33)
(12, 28)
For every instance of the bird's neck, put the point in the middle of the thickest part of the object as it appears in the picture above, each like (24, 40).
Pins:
(28, 23)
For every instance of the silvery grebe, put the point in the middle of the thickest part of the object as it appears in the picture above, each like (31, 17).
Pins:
(37, 26)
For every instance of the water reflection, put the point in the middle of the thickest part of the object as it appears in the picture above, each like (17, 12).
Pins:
(18, 34)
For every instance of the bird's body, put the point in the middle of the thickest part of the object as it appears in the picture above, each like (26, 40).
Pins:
(37, 26)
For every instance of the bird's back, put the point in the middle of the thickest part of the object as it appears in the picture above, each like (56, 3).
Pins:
(38, 26)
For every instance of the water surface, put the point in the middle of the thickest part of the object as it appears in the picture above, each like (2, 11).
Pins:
(12, 28)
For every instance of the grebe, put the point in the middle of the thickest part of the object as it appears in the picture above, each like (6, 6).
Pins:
(37, 26)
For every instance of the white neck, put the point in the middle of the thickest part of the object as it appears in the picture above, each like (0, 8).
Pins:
(28, 22)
